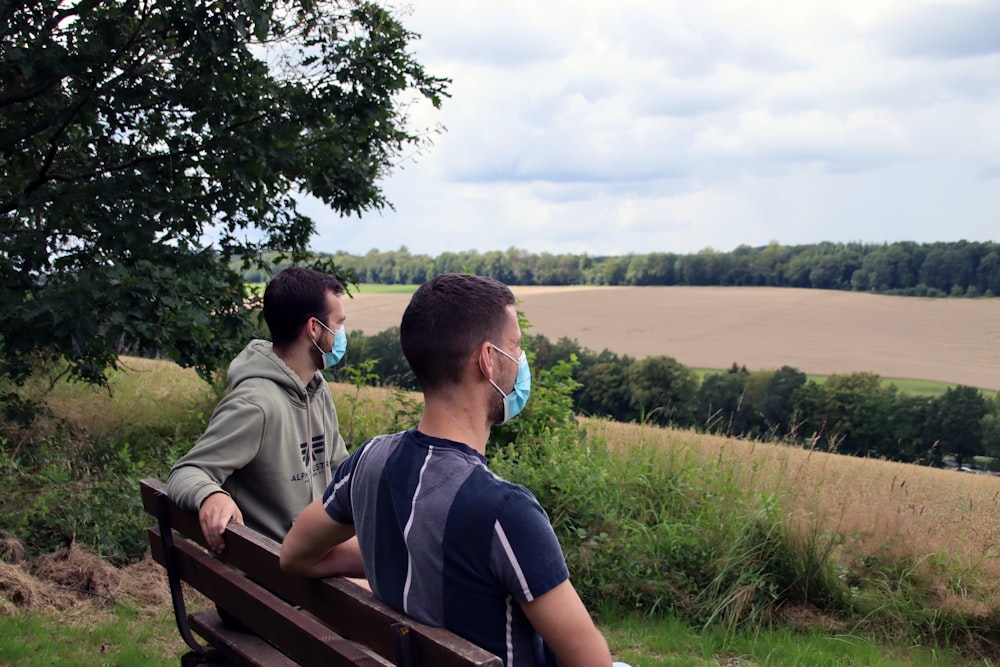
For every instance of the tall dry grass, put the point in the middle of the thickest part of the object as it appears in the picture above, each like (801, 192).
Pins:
(941, 526)
(146, 393)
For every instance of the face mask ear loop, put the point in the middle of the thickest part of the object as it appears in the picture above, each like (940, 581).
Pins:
(495, 385)
(315, 341)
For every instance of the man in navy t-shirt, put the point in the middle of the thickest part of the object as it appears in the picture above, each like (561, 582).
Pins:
(443, 539)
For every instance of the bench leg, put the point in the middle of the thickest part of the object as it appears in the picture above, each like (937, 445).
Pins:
(176, 592)
(402, 642)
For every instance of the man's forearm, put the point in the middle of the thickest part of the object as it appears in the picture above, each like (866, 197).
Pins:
(342, 560)
(318, 546)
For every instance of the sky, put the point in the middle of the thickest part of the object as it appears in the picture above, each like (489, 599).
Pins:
(635, 126)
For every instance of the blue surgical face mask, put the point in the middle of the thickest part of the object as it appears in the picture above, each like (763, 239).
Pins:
(515, 401)
(334, 356)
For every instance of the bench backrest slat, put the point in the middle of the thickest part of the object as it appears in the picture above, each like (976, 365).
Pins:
(346, 608)
(303, 638)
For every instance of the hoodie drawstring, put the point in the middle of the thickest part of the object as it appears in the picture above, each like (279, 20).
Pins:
(309, 446)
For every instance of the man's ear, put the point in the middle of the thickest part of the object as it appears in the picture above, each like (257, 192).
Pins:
(485, 359)
(310, 329)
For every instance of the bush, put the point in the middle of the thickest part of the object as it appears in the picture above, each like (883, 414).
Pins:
(650, 531)
(66, 488)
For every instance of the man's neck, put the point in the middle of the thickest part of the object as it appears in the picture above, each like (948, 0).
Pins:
(456, 420)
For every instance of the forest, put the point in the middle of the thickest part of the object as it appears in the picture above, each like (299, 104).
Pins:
(962, 268)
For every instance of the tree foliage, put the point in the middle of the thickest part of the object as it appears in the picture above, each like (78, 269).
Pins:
(937, 269)
(722, 404)
(151, 145)
(956, 421)
(662, 389)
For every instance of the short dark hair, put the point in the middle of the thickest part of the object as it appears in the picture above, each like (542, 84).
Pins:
(293, 296)
(447, 318)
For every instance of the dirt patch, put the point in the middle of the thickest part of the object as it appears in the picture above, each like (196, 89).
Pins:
(820, 332)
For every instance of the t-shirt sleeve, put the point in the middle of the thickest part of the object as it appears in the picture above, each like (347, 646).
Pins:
(337, 497)
(526, 555)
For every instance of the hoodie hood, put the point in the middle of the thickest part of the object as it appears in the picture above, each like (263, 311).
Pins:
(258, 360)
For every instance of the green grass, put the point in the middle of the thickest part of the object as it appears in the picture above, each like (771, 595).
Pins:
(361, 288)
(125, 638)
(129, 637)
(669, 642)
(374, 288)
(931, 388)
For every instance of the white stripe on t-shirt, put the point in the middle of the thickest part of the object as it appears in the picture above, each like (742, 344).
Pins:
(528, 597)
(406, 531)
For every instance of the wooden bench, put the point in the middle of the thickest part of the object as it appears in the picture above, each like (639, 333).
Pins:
(294, 621)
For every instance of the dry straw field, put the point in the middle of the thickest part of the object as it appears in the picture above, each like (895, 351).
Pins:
(944, 524)
(817, 331)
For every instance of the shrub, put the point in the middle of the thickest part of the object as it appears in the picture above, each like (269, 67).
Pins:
(651, 530)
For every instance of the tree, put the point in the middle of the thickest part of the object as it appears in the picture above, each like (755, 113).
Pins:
(768, 266)
(603, 390)
(777, 406)
(946, 267)
(955, 422)
(891, 267)
(991, 438)
(663, 390)
(152, 148)
(383, 356)
(722, 405)
(909, 421)
(848, 414)
(988, 273)
(856, 412)
(547, 353)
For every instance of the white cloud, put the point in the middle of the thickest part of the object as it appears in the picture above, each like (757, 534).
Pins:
(666, 125)
(858, 141)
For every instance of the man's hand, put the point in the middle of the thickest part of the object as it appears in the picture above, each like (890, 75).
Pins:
(215, 513)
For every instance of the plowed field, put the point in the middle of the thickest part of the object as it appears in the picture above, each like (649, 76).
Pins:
(819, 332)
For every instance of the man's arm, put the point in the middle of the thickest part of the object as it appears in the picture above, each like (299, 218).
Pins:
(564, 623)
(314, 547)
(230, 442)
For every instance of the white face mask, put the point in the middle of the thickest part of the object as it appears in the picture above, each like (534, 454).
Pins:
(333, 357)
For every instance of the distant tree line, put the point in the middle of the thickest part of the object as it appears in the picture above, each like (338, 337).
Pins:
(936, 269)
(853, 414)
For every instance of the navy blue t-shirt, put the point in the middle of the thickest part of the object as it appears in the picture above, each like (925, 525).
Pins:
(448, 542)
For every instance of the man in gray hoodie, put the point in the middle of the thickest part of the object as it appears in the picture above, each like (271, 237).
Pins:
(273, 442)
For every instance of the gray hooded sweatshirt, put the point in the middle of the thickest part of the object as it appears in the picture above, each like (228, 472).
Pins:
(271, 444)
